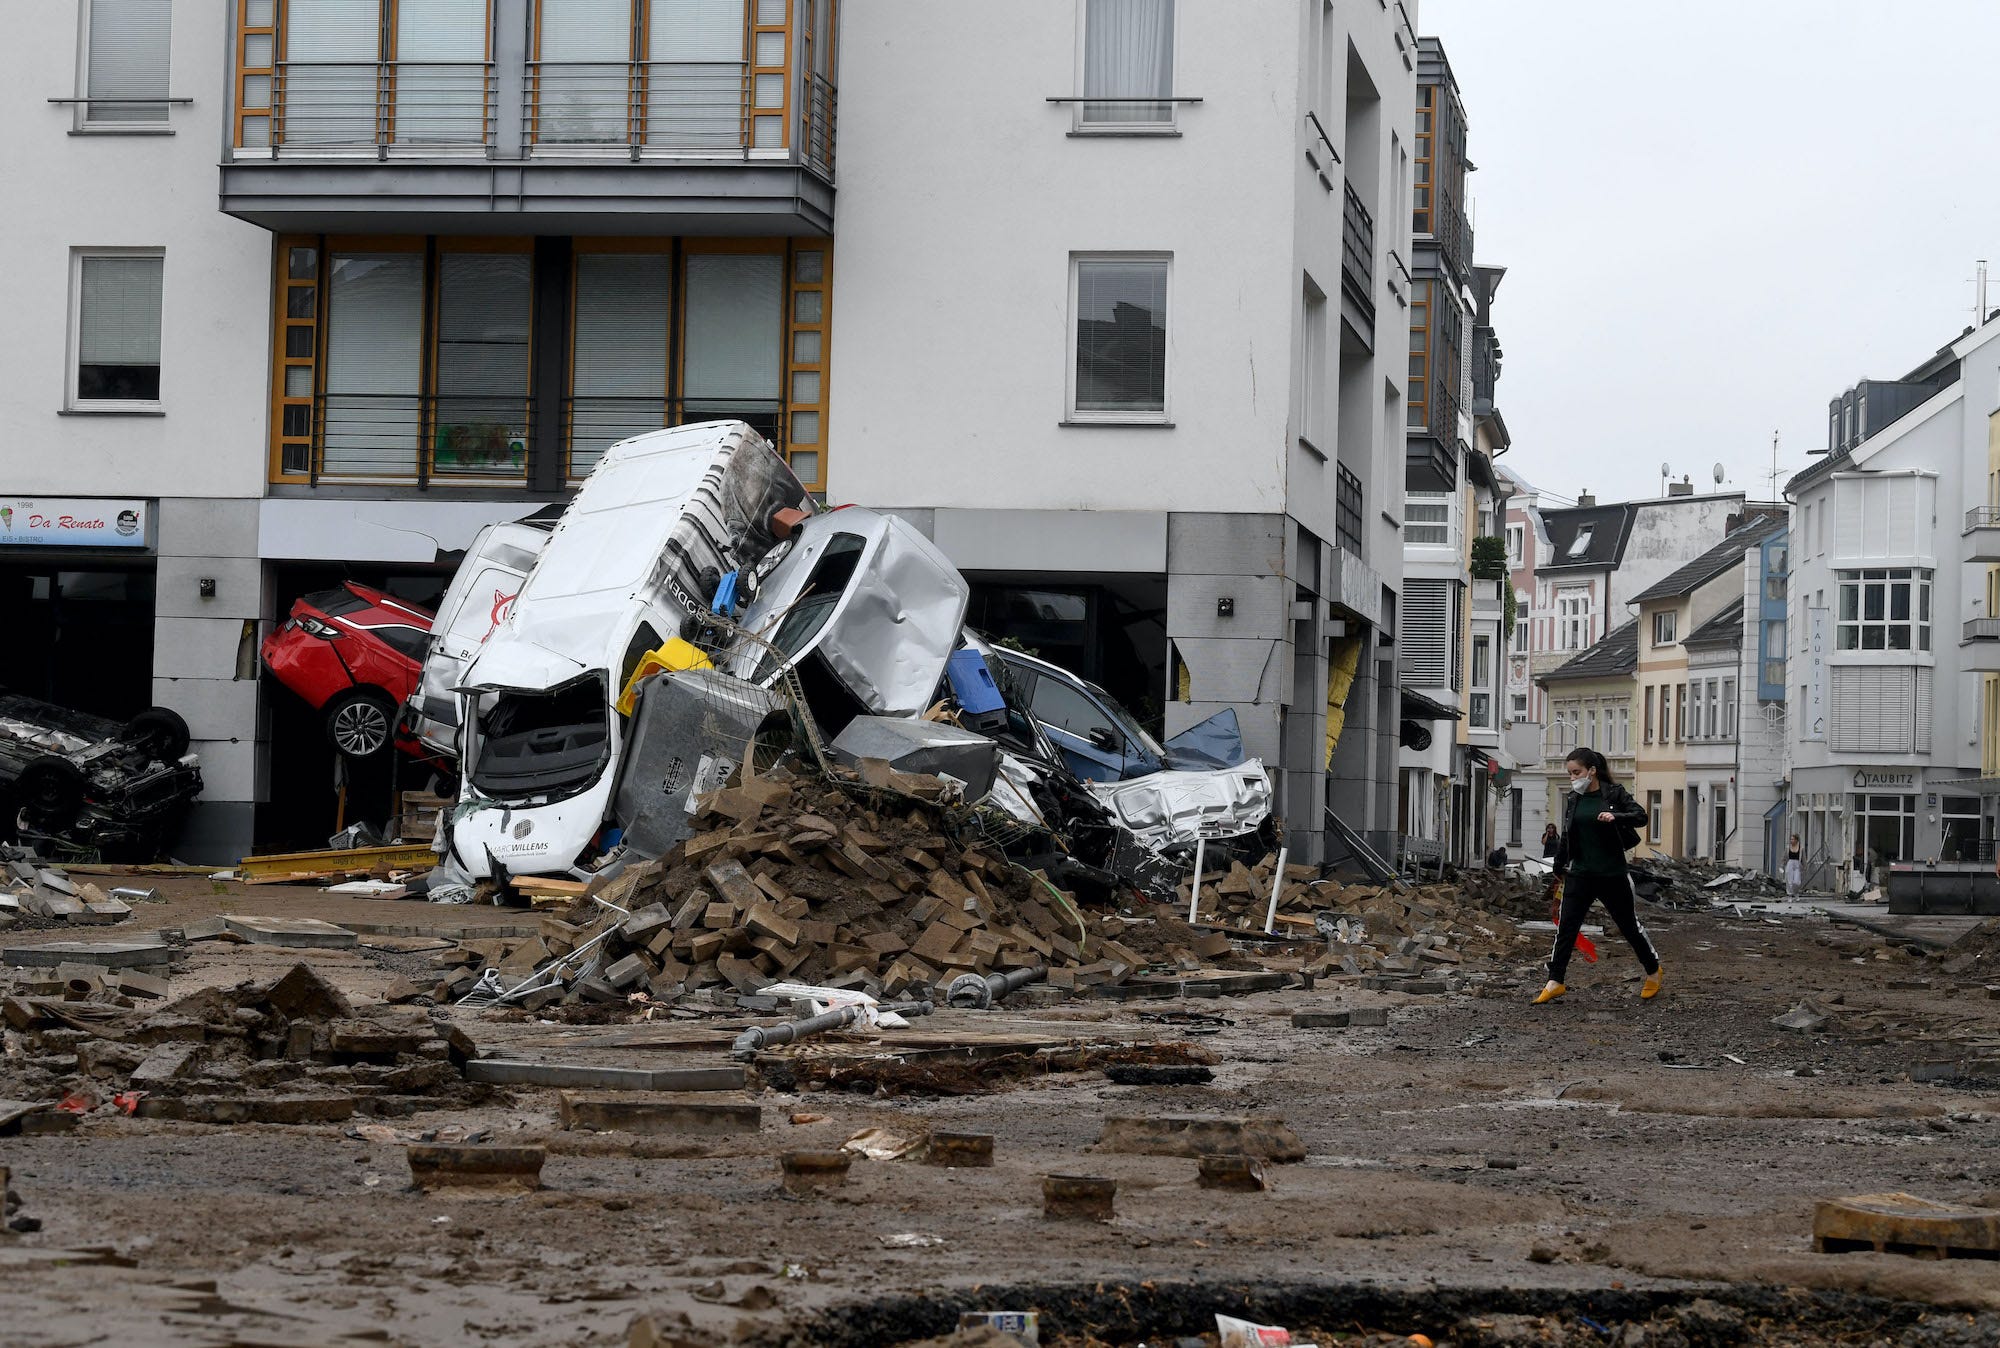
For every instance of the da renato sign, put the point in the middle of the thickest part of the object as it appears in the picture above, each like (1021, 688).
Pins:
(71, 522)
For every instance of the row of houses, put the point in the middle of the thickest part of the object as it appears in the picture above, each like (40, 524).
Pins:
(1825, 667)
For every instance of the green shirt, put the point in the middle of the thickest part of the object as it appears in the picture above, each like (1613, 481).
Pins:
(1595, 849)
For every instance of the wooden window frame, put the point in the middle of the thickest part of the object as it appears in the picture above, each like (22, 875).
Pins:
(793, 366)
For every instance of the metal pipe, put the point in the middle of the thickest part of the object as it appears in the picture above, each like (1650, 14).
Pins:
(976, 992)
(1200, 856)
(764, 1036)
(1277, 884)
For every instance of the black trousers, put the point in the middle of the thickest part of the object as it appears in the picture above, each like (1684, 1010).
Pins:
(1615, 893)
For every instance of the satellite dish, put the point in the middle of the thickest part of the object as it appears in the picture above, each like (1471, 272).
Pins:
(1666, 470)
(1718, 474)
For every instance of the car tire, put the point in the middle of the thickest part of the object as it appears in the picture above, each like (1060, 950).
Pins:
(361, 723)
(50, 790)
(161, 733)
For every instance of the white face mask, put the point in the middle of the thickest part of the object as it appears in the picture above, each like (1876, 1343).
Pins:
(1579, 784)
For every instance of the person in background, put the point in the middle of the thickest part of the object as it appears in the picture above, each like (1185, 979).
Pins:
(1794, 868)
(1551, 840)
(1590, 861)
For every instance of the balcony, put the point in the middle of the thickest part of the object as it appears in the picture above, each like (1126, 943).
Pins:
(1454, 236)
(1430, 461)
(1982, 534)
(481, 440)
(1981, 644)
(1357, 261)
(533, 146)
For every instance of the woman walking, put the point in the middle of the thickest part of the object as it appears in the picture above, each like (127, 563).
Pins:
(1551, 839)
(1794, 868)
(1590, 861)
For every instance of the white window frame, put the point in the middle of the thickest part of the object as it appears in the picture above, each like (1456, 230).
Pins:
(1573, 619)
(1923, 614)
(1163, 417)
(1427, 501)
(1665, 621)
(73, 346)
(1080, 127)
(83, 125)
(1517, 542)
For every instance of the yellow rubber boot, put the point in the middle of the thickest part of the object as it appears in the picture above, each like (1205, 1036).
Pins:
(1550, 992)
(1652, 987)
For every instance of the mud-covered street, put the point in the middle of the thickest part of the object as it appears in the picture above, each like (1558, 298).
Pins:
(1597, 1162)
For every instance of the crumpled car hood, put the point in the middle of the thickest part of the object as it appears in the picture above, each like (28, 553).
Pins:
(1175, 807)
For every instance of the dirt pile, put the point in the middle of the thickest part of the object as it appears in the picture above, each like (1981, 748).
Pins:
(882, 888)
(288, 1051)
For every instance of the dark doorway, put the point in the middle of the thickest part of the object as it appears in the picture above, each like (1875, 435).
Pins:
(81, 638)
(1113, 633)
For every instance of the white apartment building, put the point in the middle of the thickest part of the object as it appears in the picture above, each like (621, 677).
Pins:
(462, 245)
(1887, 638)
(1123, 322)
(132, 386)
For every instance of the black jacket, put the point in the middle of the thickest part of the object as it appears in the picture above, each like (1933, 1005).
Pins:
(1625, 812)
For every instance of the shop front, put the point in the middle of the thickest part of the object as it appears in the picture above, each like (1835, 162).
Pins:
(77, 580)
(1863, 820)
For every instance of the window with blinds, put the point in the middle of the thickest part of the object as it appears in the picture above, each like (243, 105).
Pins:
(127, 62)
(1118, 332)
(1128, 58)
(481, 422)
(374, 338)
(116, 328)
(733, 365)
(1883, 517)
(1881, 709)
(1424, 646)
(619, 379)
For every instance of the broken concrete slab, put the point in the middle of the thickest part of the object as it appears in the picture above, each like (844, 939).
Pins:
(301, 992)
(805, 1171)
(502, 1072)
(1805, 1018)
(1320, 1020)
(100, 954)
(307, 933)
(1235, 1174)
(1079, 1197)
(963, 1150)
(1191, 1135)
(1898, 1223)
(249, 1108)
(436, 1166)
(658, 1115)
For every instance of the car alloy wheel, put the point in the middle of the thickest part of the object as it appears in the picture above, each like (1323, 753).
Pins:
(360, 727)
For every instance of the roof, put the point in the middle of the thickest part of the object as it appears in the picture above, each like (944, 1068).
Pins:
(1609, 526)
(1724, 629)
(1716, 560)
(1417, 707)
(1616, 654)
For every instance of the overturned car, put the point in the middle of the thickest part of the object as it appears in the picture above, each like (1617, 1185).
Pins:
(79, 786)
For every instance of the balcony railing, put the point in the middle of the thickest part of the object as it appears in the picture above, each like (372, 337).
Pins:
(1982, 629)
(353, 105)
(1454, 233)
(816, 125)
(679, 107)
(425, 439)
(1982, 517)
(1357, 250)
(592, 425)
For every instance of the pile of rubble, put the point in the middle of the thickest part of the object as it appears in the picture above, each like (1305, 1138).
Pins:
(29, 889)
(884, 890)
(291, 1050)
(1693, 883)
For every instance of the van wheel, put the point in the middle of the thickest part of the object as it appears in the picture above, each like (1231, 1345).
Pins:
(51, 792)
(360, 723)
(160, 733)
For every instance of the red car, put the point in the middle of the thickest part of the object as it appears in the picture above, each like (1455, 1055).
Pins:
(354, 653)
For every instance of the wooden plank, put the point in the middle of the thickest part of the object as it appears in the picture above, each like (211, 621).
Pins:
(340, 861)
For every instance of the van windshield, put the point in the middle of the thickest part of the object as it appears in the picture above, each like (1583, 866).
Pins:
(819, 597)
(552, 743)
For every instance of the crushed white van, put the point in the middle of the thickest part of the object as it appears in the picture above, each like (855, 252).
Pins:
(635, 559)
(476, 602)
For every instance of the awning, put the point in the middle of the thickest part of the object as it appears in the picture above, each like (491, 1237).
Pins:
(1417, 707)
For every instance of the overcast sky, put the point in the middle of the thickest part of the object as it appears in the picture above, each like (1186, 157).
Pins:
(1716, 215)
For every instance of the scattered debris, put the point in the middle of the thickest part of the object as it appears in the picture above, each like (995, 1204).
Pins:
(1898, 1223)
(1085, 1197)
(807, 1171)
(1196, 1135)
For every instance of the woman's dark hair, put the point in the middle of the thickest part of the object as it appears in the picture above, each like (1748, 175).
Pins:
(1590, 758)
(1550, 829)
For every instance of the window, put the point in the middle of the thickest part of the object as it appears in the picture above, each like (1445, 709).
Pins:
(125, 66)
(1819, 533)
(1774, 659)
(114, 326)
(1427, 519)
(1680, 714)
(1128, 61)
(1519, 643)
(1118, 336)
(1347, 511)
(1590, 729)
(1653, 817)
(1312, 368)
(1515, 809)
(1649, 714)
(1518, 706)
(1624, 730)
(1711, 709)
(1884, 610)
(1581, 543)
(1728, 709)
(1516, 544)
(1482, 682)
(1664, 625)
(1573, 619)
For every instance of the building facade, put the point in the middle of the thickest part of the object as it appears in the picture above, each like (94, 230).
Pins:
(1889, 632)
(464, 245)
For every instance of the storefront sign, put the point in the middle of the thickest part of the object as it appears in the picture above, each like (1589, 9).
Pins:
(1815, 708)
(1884, 781)
(71, 522)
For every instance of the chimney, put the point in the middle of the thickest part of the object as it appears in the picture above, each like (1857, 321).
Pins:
(1585, 499)
(1684, 487)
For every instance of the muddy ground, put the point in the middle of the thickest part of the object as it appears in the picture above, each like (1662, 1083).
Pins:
(1479, 1170)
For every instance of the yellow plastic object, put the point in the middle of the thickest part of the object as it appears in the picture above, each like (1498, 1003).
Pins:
(674, 653)
(1340, 672)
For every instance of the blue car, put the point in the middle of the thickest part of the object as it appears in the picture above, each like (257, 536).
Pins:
(1099, 740)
